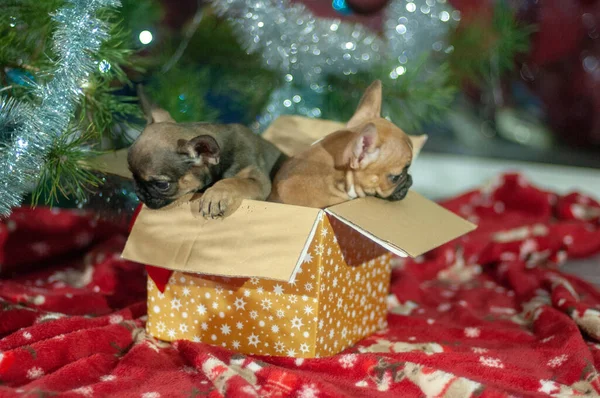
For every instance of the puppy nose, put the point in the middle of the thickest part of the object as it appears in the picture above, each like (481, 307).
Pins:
(153, 205)
(409, 181)
(402, 189)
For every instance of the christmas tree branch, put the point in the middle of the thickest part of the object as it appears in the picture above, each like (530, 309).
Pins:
(64, 173)
(477, 42)
(34, 132)
(413, 95)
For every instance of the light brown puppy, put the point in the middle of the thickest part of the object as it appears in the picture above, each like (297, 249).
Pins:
(370, 157)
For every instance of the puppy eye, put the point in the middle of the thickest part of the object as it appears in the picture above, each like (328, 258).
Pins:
(162, 185)
(395, 178)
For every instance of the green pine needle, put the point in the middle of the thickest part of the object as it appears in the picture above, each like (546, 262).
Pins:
(419, 96)
(137, 16)
(514, 37)
(101, 109)
(481, 47)
(64, 174)
(411, 99)
(26, 30)
(223, 67)
(215, 41)
(181, 92)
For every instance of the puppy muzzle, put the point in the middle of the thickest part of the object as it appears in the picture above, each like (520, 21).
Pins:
(157, 203)
(401, 190)
(152, 202)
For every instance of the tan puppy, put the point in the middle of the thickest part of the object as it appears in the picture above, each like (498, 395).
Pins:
(370, 157)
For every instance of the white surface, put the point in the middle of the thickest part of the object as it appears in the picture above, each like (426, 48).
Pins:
(440, 176)
(587, 269)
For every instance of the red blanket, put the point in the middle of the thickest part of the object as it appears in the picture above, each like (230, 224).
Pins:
(488, 315)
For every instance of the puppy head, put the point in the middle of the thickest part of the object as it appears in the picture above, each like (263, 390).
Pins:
(166, 164)
(381, 154)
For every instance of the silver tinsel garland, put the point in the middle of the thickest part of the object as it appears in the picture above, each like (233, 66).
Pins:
(31, 132)
(305, 48)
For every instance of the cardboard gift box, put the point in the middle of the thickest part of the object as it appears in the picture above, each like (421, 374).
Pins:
(275, 279)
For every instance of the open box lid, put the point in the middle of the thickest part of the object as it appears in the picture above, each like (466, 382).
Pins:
(260, 239)
(410, 227)
(270, 240)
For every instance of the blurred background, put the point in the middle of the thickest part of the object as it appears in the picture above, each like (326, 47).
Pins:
(496, 84)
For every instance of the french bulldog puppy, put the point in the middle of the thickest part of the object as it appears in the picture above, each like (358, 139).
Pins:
(370, 157)
(169, 160)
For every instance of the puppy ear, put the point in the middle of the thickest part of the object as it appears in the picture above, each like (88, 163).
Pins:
(158, 115)
(153, 113)
(364, 150)
(369, 106)
(418, 142)
(200, 150)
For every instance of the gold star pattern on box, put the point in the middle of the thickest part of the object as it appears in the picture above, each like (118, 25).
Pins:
(336, 298)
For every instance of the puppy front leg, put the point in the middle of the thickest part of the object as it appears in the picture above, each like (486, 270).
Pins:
(226, 195)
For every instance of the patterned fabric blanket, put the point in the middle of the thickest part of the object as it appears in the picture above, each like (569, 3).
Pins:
(488, 315)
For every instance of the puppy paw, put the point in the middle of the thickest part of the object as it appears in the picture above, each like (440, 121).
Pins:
(219, 202)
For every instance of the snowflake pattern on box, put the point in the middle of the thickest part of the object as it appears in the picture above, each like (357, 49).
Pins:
(338, 297)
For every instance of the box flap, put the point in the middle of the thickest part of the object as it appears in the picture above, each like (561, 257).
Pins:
(293, 134)
(412, 226)
(264, 240)
(114, 162)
